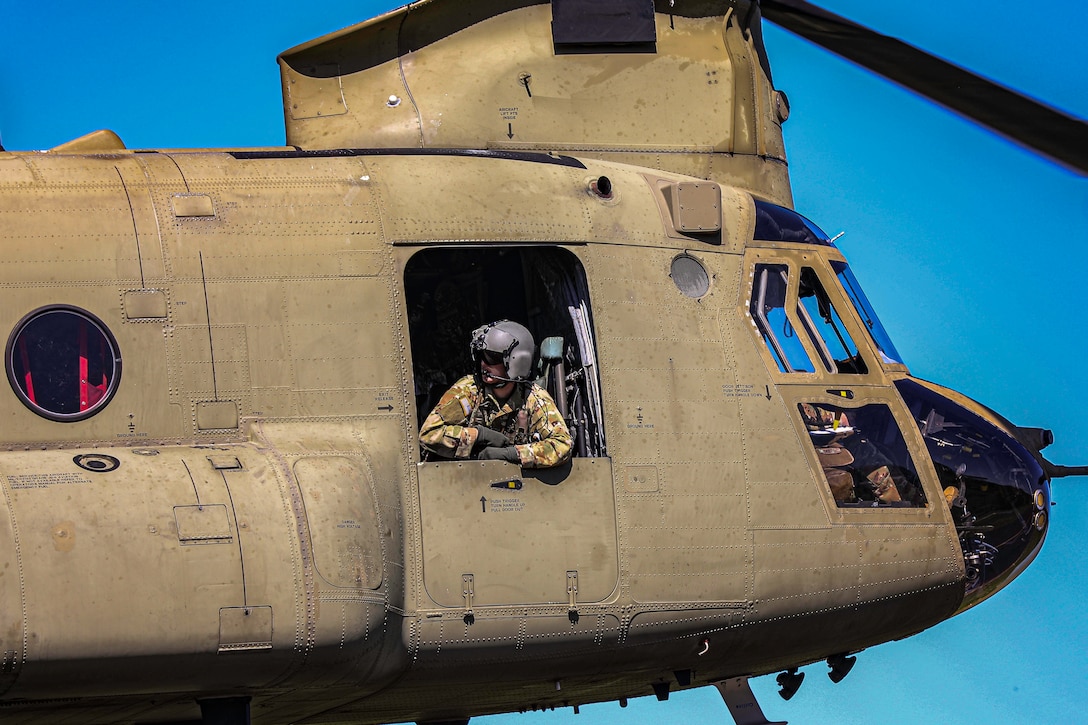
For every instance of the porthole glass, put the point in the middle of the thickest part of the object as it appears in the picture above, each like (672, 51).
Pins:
(63, 363)
(689, 275)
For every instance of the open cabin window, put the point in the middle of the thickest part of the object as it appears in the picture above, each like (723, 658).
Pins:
(541, 537)
(451, 292)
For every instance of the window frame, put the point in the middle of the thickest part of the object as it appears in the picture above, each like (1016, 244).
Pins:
(106, 337)
(819, 261)
(569, 264)
(765, 329)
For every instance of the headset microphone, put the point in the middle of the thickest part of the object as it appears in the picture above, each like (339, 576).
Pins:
(499, 377)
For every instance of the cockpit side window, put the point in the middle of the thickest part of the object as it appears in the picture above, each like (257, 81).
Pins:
(834, 342)
(865, 311)
(863, 456)
(768, 310)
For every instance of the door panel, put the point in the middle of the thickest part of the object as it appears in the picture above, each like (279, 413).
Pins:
(517, 545)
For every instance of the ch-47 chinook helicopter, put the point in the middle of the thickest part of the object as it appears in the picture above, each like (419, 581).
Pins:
(240, 525)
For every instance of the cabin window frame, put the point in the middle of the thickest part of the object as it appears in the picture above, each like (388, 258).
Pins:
(468, 278)
(34, 374)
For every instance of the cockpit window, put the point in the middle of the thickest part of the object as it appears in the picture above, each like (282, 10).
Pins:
(836, 347)
(778, 224)
(888, 353)
(863, 456)
(994, 487)
(768, 310)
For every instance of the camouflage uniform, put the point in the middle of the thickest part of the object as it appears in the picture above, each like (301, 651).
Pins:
(528, 419)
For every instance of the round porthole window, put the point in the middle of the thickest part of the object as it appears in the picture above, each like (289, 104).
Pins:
(63, 363)
(689, 275)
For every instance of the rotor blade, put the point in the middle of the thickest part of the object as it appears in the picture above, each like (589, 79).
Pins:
(1046, 131)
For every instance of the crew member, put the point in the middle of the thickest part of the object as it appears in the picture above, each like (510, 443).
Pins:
(856, 470)
(498, 412)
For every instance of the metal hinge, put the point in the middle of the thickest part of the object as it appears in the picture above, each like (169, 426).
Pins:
(468, 590)
(572, 596)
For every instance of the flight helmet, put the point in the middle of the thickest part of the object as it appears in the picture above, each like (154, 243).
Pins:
(509, 339)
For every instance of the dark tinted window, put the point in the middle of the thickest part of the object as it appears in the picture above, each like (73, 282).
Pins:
(63, 363)
(995, 488)
(778, 224)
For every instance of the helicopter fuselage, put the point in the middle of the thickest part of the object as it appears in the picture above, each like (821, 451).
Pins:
(244, 508)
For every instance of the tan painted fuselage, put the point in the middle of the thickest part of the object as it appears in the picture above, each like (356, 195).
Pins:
(248, 513)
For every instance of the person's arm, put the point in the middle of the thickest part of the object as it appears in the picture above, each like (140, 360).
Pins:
(446, 432)
(550, 442)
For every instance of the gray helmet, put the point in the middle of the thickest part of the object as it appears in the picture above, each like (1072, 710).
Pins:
(509, 339)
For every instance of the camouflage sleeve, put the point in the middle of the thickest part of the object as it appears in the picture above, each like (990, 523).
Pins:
(445, 432)
(549, 440)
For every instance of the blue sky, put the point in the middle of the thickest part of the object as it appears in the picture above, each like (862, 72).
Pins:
(970, 248)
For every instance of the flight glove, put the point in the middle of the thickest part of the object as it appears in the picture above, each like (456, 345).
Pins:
(509, 453)
(488, 438)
